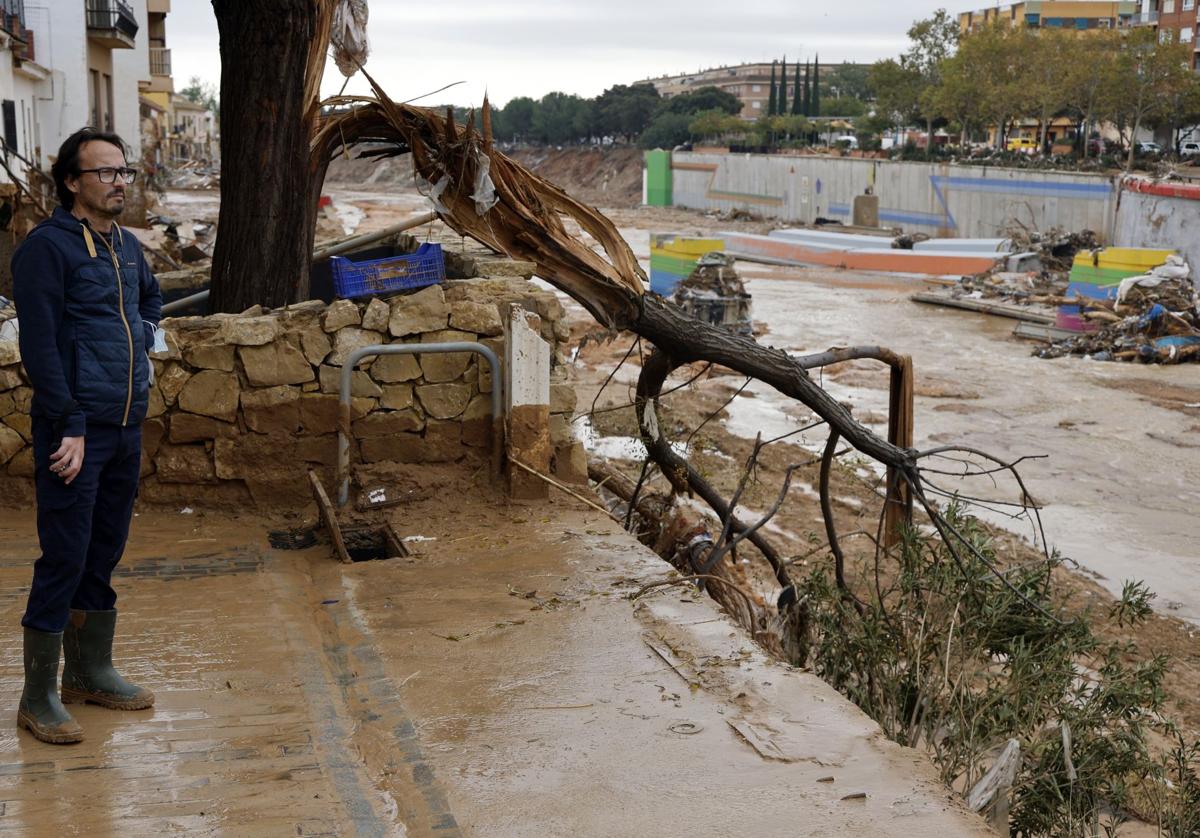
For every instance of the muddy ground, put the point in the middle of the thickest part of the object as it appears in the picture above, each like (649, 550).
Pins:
(1115, 445)
(1118, 441)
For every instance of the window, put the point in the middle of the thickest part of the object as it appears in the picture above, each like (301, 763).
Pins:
(94, 95)
(1185, 35)
(1188, 5)
(756, 88)
(9, 108)
(1165, 36)
(1168, 7)
(108, 102)
(756, 105)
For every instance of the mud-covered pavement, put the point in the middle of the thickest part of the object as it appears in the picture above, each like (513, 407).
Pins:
(499, 682)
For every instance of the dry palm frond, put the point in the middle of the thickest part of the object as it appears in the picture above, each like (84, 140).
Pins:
(526, 221)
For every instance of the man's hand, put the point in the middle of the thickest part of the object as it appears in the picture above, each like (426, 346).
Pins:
(68, 460)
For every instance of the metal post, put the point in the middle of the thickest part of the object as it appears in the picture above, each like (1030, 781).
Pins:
(344, 430)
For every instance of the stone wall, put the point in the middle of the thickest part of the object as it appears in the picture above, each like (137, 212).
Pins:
(244, 405)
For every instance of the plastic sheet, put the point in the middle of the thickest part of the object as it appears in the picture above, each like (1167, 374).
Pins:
(349, 36)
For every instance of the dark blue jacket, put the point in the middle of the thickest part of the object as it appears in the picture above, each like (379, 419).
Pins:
(87, 308)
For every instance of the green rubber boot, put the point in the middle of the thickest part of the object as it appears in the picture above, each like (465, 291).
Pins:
(41, 711)
(88, 673)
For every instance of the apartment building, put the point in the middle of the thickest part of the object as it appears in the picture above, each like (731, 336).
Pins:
(1176, 21)
(751, 83)
(1078, 15)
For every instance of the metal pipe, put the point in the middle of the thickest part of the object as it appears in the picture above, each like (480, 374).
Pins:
(183, 302)
(371, 238)
(344, 430)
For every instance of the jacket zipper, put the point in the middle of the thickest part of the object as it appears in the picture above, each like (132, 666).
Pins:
(128, 333)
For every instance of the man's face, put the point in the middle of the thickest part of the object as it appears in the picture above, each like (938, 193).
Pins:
(93, 196)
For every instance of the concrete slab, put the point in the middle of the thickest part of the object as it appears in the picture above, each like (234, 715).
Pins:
(499, 682)
(790, 251)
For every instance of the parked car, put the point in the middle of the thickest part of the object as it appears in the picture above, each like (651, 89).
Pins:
(1025, 145)
(1098, 146)
(1190, 148)
(1147, 148)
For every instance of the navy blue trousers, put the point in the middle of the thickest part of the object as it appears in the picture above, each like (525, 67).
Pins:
(83, 526)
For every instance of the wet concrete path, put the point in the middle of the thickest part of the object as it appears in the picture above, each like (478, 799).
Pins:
(498, 683)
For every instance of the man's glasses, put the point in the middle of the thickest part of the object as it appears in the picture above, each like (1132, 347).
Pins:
(107, 174)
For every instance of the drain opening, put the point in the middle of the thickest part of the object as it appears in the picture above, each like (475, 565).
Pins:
(370, 544)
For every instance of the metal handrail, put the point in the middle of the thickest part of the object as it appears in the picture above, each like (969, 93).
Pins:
(344, 396)
(112, 14)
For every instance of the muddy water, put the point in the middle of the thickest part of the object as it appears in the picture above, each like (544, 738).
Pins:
(1119, 445)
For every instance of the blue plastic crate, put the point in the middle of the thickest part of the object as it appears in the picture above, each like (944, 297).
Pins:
(396, 273)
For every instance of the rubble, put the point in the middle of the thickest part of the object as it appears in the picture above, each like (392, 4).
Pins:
(1056, 247)
(1018, 288)
(714, 293)
(1154, 318)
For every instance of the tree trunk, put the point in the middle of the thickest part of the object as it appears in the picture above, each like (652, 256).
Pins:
(267, 220)
(1137, 124)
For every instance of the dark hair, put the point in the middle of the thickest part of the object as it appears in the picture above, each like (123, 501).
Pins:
(67, 163)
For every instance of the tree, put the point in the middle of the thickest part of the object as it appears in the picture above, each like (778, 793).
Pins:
(931, 42)
(852, 80)
(1089, 73)
(202, 93)
(554, 120)
(714, 124)
(703, 99)
(272, 58)
(781, 101)
(797, 95)
(806, 106)
(626, 110)
(897, 91)
(1042, 75)
(992, 66)
(517, 118)
(957, 96)
(815, 106)
(772, 102)
(1152, 74)
(667, 131)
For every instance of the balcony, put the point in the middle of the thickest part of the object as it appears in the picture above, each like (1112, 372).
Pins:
(1144, 19)
(160, 61)
(111, 23)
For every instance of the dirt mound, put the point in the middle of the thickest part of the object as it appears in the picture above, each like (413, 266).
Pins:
(602, 177)
(365, 174)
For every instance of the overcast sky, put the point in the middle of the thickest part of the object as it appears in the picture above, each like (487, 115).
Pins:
(533, 47)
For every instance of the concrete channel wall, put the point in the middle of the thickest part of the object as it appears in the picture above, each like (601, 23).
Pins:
(1159, 215)
(244, 405)
(937, 199)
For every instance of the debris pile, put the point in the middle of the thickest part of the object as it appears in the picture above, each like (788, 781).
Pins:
(193, 175)
(1154, 318)
(714, 293)
(1029, 288)
(1056, 247)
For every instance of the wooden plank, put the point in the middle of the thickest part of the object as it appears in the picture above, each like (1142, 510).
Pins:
(329, 517)
(1044, 333)
(983, 307)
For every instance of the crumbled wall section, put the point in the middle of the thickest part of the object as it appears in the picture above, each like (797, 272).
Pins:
(244, 405)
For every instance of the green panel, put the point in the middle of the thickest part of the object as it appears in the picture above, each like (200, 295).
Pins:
(1101, 276)
(658, 178)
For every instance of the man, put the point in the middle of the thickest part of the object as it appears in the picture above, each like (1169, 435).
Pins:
(88, 305)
